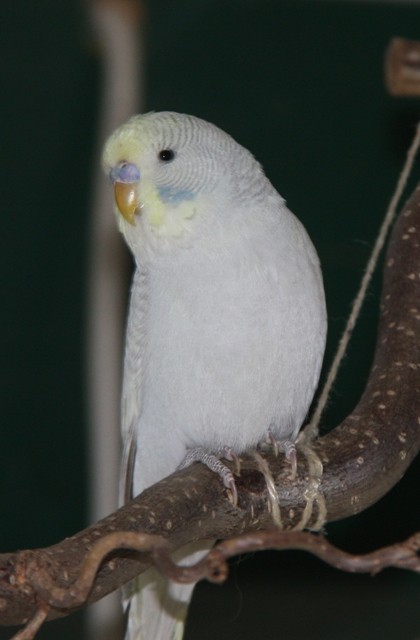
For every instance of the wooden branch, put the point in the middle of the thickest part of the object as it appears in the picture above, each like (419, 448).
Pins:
(402, 67)
(214, 566)
(362, 459)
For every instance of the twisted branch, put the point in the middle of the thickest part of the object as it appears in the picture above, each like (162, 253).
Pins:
(213, 566)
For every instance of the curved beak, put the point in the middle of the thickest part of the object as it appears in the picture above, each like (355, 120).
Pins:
(126, 178)
(127, 200)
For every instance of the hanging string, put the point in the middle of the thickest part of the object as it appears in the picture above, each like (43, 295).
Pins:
(311, 430)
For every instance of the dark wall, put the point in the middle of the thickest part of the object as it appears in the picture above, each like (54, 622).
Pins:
(300, 84)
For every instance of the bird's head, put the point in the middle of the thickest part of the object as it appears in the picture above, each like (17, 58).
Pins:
(169, 170)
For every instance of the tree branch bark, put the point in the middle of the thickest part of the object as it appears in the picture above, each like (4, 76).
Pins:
(362, 459)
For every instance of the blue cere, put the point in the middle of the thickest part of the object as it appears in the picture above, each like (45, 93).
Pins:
(126, 172)
(174, 195)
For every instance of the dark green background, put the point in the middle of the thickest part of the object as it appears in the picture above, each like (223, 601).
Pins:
(301, 85)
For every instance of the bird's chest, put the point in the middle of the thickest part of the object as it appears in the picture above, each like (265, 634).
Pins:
(191, 323)
(213, 347)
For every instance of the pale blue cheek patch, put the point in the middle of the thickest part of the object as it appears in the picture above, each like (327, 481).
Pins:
(173, 195)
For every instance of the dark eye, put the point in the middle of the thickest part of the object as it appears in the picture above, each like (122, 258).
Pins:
(166, 155)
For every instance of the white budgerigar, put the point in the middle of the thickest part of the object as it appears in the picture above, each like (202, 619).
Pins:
(227, 321)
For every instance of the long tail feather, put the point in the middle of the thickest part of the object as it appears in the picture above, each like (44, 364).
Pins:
(157, 608)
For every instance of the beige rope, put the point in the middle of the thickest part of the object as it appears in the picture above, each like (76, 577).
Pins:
(273, 497)
(313, 493)
(311, 430)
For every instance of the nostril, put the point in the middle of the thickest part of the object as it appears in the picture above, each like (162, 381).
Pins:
(125, 172)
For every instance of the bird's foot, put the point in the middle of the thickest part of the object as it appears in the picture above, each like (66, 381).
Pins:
(229, 454)
(199, 454)
(273, 442)
(288, 447)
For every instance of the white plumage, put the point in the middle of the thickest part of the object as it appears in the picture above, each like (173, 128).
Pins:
(227, 322)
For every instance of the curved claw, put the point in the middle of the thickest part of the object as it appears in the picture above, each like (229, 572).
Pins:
(290, 453)
(287, 446)
(229, 454)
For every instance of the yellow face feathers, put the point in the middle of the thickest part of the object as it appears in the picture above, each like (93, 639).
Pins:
(136, 160)
(154, 207)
